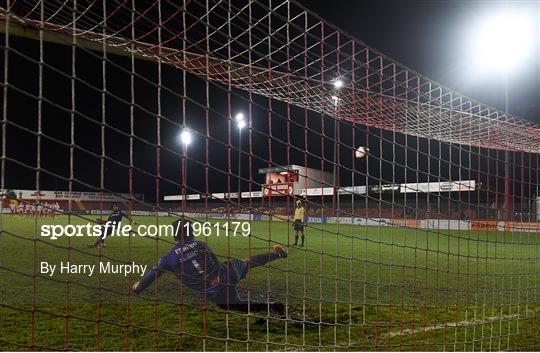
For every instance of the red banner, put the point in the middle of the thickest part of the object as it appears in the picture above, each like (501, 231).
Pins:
(486, 225)
(278, 189)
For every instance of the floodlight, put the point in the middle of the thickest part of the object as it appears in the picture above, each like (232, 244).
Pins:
(503, 41)
(241, 124)
(240, 121)
(338, 83)
(185, 137)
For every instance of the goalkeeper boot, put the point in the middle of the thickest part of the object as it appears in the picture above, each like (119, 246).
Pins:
(135, 287)
(278, 249)
(98, 245)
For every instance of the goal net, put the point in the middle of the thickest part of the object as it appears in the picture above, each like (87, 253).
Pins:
(409, 212)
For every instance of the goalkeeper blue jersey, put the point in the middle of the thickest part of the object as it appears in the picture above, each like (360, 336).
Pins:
(197, 266)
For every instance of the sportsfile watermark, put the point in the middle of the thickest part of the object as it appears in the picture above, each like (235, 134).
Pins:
(111, 229)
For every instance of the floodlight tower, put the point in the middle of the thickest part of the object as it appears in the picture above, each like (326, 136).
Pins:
(502, 42)
(185, 140)
(337, 83)
(240, 124)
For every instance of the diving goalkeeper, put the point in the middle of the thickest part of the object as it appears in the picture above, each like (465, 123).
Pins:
(197, 266)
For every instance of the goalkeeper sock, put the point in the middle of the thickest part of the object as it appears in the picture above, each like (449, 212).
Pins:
(302, 240)
(296, 239)
(262, 259)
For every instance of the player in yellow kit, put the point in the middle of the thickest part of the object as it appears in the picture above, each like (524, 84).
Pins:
(299, 216)
(13, 206)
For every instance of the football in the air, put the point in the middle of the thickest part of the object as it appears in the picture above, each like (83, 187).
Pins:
(361, 152)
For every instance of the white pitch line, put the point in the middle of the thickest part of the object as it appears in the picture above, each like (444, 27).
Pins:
(463, 323)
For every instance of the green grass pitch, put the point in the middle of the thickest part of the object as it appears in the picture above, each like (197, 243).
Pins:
(351, 288)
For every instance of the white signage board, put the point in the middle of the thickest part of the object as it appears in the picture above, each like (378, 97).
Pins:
(359, 190)
(443, 186)
(181, 197)
(317, 192)
(73, 195)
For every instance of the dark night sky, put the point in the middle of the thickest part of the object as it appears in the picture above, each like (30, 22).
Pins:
(430, 37)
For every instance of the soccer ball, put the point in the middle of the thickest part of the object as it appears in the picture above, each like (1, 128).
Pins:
(361, 152)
